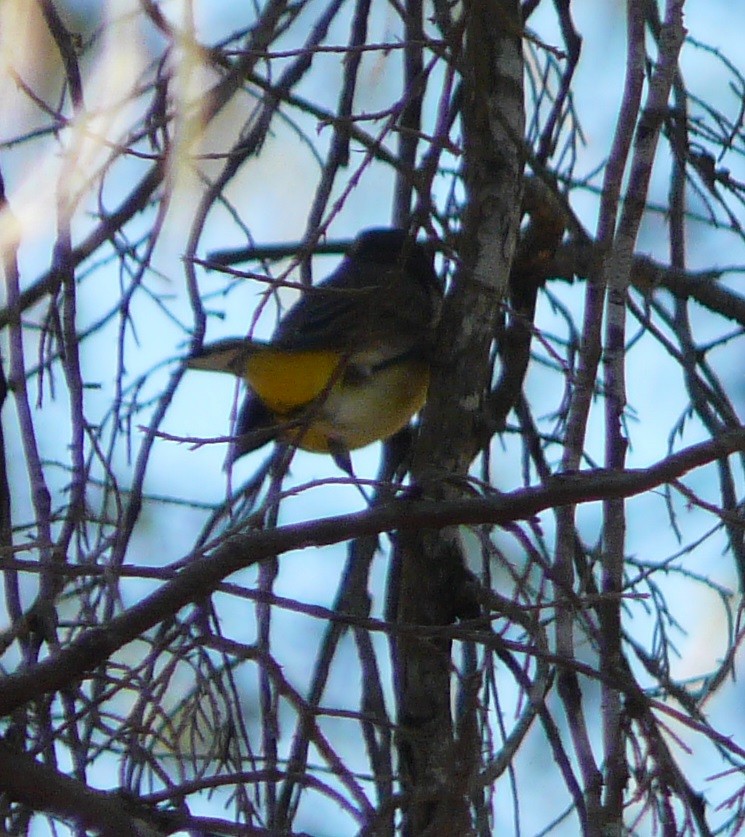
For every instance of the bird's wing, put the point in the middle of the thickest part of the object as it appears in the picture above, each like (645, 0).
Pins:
(327, 314)
(361, 308)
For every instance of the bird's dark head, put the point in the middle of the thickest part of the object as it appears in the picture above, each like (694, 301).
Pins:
(393, 246)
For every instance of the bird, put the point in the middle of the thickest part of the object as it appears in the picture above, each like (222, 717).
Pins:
(349, 363)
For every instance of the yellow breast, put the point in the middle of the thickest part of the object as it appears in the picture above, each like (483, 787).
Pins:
(286, 381)
(329, 409)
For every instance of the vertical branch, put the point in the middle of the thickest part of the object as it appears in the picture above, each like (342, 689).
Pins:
(616, 276)
(64, 269)
(9, 264)
(268, 698)
(338, 155)
(66, 48)
(410, 122)
(63, 266)
(436, 767)
(615, 279)
(573, 42)
(43, 621)
(40, 496)
(589, 359)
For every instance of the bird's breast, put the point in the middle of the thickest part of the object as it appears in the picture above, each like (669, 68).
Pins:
(286, 381)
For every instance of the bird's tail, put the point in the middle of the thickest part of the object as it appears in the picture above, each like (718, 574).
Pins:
(228, 355)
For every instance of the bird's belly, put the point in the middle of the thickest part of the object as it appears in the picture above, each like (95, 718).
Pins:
(355, 414)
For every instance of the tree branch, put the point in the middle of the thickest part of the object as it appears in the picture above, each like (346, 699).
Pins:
(205, 569)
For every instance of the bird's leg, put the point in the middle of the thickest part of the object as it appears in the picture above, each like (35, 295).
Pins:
(340, 454)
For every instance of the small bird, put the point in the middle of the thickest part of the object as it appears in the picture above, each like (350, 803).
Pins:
(349, 363)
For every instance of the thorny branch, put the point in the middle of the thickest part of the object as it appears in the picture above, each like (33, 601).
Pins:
(134, 178)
